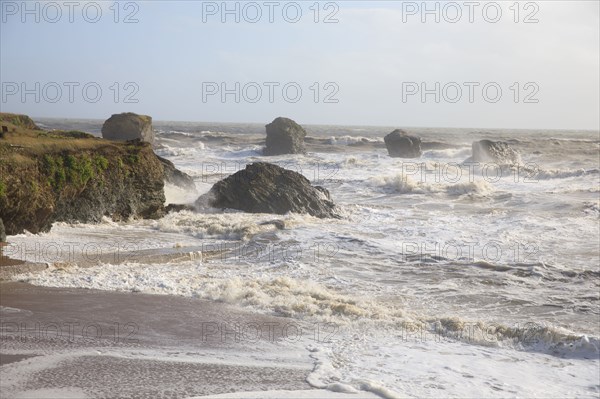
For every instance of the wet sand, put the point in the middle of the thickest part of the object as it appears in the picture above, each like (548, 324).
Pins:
(6, 261)
(6, 359)
(59, 342)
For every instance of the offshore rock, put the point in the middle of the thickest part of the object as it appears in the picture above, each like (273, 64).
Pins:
(400, 145)
(128, 126)
(266, 188)
(284, 136)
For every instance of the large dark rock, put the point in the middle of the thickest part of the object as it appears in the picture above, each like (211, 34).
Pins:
(128, 126)
(400, 145)
(494, 151)
(266, 188)
(284, 136)
(175, 176)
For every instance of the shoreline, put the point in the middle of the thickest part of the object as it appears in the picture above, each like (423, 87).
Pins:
(50, 346)
(9, 267)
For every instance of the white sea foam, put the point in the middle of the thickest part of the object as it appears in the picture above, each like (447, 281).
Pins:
(304, 299)
(405, 184)
(170, 151)
(479, 187)
(352, 140)
(450, 153)
(178, 195)
(398, 183)
(229, 226)
(282, 295)
(183, 133)
(562, 174)
(278, 394)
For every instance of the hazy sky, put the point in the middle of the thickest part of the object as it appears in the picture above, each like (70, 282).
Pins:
(373, 60)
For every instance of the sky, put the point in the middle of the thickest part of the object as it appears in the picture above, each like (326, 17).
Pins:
(503, 64)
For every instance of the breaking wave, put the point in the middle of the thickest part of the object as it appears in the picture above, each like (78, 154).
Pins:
(404, 184)
(353, 140)
(307, 300)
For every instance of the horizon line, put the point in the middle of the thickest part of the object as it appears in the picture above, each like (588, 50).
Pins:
(333, 124)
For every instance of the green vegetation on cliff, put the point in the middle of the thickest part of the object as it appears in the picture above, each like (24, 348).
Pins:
(73, 176)
(73, 169)
(18, 120)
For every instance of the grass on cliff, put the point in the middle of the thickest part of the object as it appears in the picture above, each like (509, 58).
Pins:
(41, 165)
(19, 120)
(73, 155)
(35, 143)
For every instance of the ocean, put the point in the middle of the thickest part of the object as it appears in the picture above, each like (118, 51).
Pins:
(441, 279)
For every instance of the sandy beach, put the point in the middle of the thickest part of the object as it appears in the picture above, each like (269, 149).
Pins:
(63, 343)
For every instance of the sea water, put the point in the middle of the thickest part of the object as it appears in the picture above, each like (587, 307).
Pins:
(442, 278)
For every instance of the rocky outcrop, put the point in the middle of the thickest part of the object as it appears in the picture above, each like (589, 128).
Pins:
(400, 145)
(134, 188)
(175, 176)
(45, 179)
(494, 151)
(284, 136)
(128, 126)
(18, 120)
(266, 188)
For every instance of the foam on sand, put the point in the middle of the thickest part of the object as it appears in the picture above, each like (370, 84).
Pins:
(305, 394)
